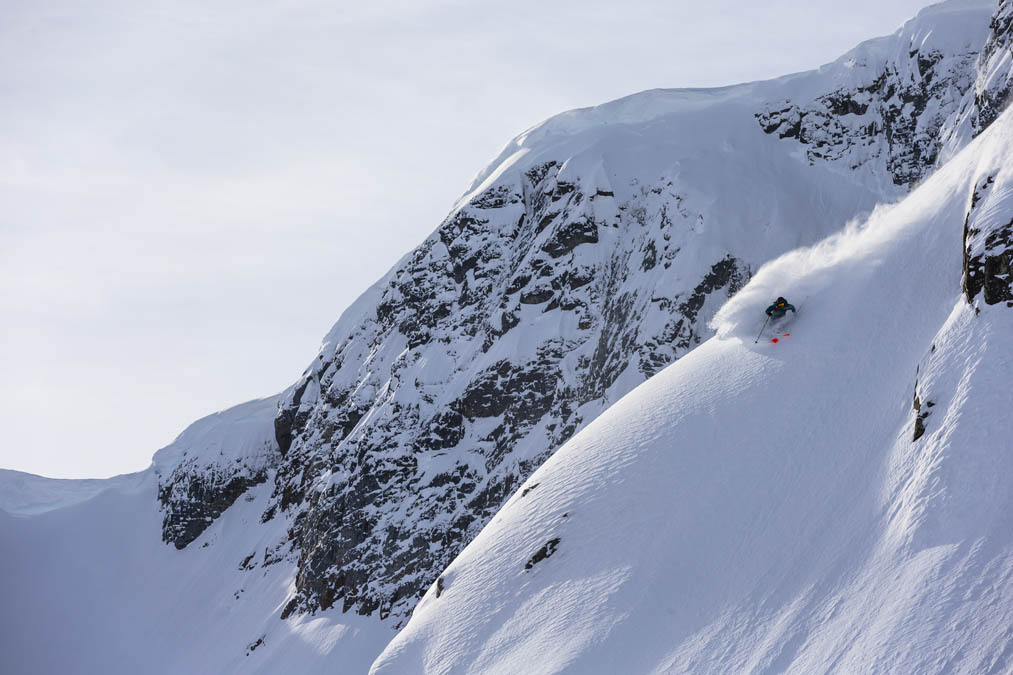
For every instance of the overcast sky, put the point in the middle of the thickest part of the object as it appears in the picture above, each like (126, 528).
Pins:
(192, 192)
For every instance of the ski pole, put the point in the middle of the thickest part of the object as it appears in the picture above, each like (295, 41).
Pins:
(761, 331)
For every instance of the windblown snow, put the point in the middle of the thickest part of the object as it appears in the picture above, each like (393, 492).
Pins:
(707, 501)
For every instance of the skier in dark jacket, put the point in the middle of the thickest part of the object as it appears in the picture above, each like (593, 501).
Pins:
(779, 309)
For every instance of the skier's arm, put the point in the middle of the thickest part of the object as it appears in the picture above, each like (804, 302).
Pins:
(770, 310)
(791, 307)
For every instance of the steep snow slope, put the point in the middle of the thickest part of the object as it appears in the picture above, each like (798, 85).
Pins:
(767, 508)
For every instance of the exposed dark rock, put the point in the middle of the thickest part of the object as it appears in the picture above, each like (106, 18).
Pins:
(289, 418)
(194, 497)
(842, 103)
(723, 274)
(291, 607)
(650, 257)
(996, 268)
(496, 198)
(444, 431)
(274, 555)
(253, 645)
(509, 321)
(519, 282)
(988, 253)
(570, 235)
(728, 275)
(542, 553)
(992, 92)
(537, 174)
(920, 416)
(849, 124)
(487, 397)
(562, 189)
(536, 296)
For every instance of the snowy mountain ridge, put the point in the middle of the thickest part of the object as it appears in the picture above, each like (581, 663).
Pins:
(26, 494)
(933, 51)
(592, 254)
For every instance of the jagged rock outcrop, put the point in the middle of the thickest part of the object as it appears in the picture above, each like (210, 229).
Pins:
(992, 89)
(195, 495)
(211, 464)
(988, 250)
(894, 106)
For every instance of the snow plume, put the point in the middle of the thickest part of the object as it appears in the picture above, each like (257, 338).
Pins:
(803, 276)
(825, 277)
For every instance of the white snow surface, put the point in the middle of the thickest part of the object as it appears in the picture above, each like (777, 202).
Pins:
(25, 494)
(761, 507)
(91, 588)
(88, 585)
(242, 433)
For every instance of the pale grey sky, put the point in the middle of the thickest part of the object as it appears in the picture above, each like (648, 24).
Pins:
(192, 192)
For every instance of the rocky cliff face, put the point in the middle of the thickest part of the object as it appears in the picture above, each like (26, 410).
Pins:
(589, 256)
(502, 334)
(992, 88)
(211, 464)
(988, 248)
(892, 113)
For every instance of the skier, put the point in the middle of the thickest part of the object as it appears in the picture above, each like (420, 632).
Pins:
(779, 309)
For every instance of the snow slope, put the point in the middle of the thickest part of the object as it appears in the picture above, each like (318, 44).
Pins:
(763, 508)
(26, 494)
(89, 586)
